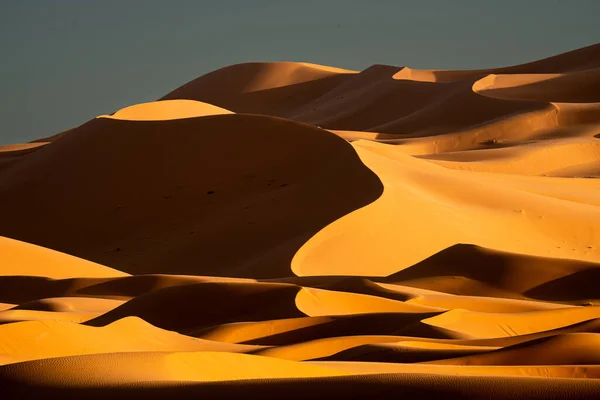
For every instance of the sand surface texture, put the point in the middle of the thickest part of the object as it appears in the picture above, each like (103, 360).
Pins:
(291, 230)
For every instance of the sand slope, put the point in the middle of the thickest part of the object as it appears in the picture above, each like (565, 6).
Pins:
(165, 196)
(166, 110)
(19, 258)
(284, 230)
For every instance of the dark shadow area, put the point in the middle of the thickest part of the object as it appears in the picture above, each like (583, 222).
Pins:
(133, 286)
(23, 289)
(228, 88)
(373, 353)
(361, 285)
(463, 260)
(582, 285)
(371, 100)
(9, 158)
(452, 266)
(455, 108)
(207, 304)
(352, 325)
(228, 195)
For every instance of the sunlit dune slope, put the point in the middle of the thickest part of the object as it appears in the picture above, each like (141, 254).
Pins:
(31, 340)
(265, 88)
(166, 110)
(396, 231)
(19, 258)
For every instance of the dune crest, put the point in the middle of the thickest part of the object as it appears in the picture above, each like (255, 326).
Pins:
(166, 110)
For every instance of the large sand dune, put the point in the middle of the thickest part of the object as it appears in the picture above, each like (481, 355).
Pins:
(287, 230)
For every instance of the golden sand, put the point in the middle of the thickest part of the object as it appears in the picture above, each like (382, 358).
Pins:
(278, 229)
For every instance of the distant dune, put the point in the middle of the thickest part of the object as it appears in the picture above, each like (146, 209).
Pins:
(165, 110)
(292, 230)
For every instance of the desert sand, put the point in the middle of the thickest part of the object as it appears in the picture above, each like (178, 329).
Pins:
(292, 230)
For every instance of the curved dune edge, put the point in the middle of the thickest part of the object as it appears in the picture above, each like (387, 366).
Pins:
(166, 110)
(505, 325)
(317, 302)
(258, 76)
(10, 148)
(68, 304)
(572, 61)
(327, 347)
(420, 196)
(206, 182)
(20, 258)
(35, 340)
(547, 87)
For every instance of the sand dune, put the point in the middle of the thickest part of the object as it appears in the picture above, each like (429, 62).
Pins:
(572, 61)
(505, 271)
(166, 110)
(549, 87)
(46, 339)
(421, 195)
(569, 349)
(284, 230)
(297, 330)
(262, 88)
(19, 258)
(162, 366)
(479, 325)
(175, 215)
(228, 303)
(62, 304)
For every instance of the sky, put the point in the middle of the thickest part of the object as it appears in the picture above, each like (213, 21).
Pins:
(64, 62)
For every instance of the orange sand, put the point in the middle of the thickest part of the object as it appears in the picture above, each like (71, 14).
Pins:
(284, 230)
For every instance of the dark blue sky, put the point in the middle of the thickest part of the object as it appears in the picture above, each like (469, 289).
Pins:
(66, 61)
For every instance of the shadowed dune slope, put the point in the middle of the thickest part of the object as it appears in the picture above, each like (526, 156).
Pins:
(569, 349)
(370, 100)
(505, 271)
(264, 88)
(229, 302)
(386, 98)
(572, 61)
(222, 195)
